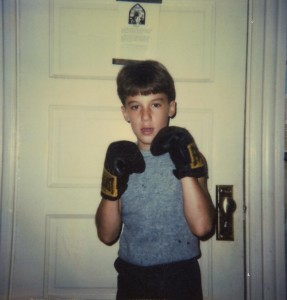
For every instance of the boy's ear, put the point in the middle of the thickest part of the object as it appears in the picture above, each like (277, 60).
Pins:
(125, 114)
(172, 109)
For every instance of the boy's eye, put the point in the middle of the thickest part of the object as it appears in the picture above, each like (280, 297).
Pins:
(134, 107)
(157, 105)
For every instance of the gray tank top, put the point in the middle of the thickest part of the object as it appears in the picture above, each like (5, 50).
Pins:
(154, 227)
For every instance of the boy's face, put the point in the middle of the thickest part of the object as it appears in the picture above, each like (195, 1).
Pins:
(147, 115)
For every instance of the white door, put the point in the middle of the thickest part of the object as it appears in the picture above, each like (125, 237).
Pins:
(68, 112)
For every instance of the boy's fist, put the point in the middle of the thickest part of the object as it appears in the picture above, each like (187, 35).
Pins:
(122, 159)
(179, 143)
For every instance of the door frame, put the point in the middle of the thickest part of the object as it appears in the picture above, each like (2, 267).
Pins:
(8, 138)
(263, 163)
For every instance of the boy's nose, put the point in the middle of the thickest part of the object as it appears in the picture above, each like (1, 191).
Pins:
(146, 115)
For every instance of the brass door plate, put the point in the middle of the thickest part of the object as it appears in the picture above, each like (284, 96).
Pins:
(225, 207)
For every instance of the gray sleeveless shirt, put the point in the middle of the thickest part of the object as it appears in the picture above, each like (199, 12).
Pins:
(154, 227)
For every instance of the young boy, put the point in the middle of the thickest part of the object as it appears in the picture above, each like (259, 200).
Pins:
(154, 193)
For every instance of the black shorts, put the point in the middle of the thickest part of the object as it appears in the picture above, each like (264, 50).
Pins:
(173, 281)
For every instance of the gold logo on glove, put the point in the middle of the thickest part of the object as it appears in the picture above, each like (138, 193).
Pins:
(195, 156)
(109, 184)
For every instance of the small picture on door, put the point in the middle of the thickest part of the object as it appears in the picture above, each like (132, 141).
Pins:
(137, 15)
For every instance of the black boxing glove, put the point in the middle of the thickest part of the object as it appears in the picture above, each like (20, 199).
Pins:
(180, 145)
(122, 159)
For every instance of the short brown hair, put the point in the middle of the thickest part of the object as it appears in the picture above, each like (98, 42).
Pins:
(144, 78)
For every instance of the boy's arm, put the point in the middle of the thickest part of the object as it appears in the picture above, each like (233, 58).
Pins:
(198, 207)
(122, 159)
(191, 168)
(108, 221)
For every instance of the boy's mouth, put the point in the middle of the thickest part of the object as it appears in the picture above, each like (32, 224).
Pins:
(147, 131)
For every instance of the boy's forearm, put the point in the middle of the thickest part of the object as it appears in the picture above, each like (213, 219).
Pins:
(198, 207)
(108, 221)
